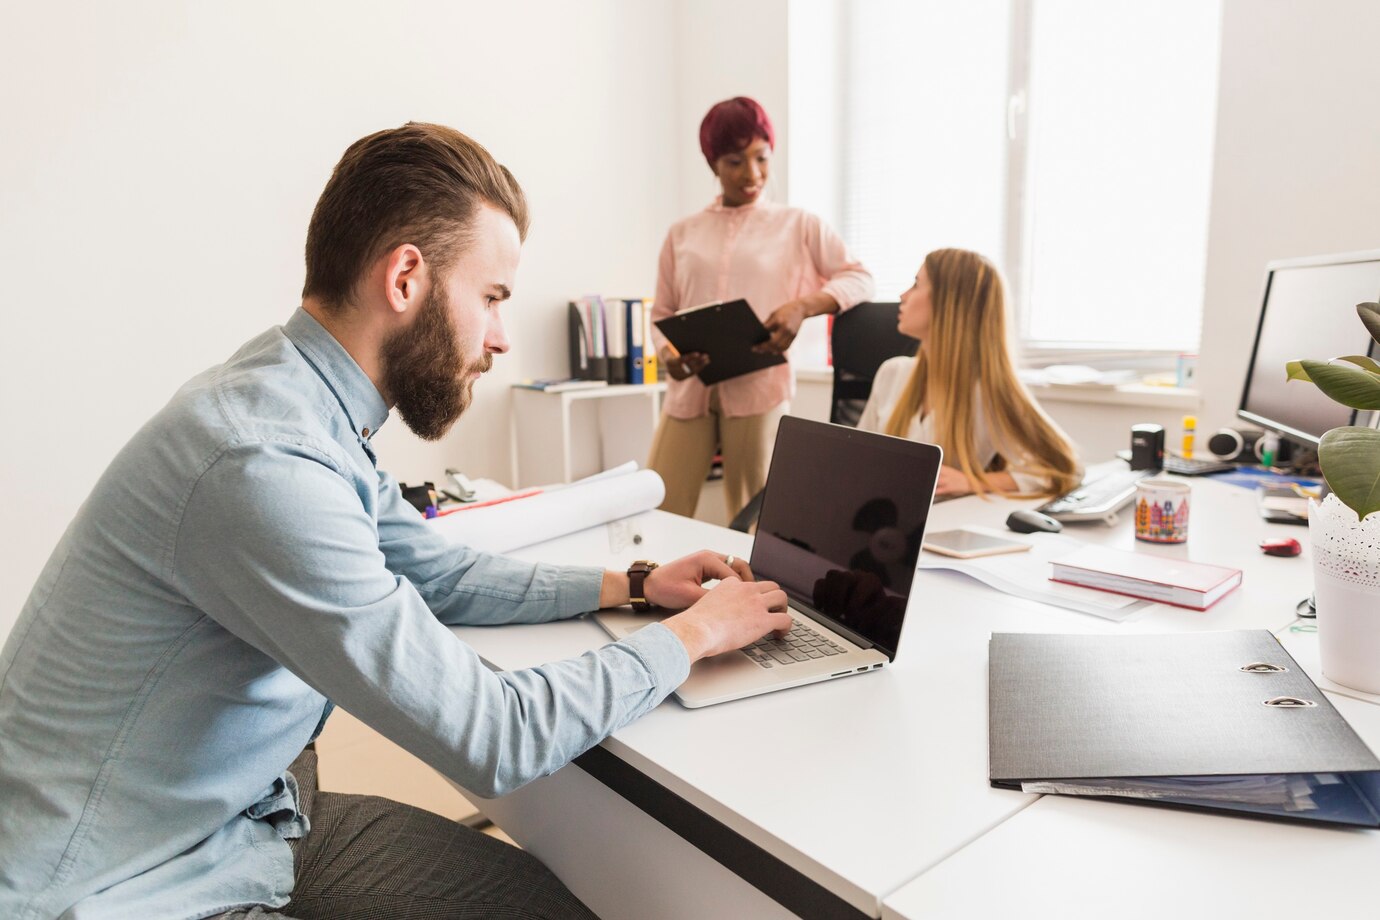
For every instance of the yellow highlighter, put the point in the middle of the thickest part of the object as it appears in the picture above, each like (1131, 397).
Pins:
(1190, 429)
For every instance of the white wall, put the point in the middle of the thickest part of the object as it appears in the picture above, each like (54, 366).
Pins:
(727, 48)
(1297, 168)
(161, 160)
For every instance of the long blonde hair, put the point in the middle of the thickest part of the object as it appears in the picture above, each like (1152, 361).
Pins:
(968, 344)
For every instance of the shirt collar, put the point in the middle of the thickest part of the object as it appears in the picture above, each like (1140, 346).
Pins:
(718, 205)
(352, 387)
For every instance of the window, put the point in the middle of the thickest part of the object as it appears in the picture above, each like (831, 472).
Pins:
(1070, 140)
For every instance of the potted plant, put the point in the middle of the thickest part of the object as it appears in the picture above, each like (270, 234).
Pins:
(1344, 529)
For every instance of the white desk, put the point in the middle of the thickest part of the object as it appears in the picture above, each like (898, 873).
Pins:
(829, 798)
(1068, 857)
(545, 441)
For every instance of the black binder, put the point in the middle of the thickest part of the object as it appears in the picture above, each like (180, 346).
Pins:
(726, 333)
(1187, 719)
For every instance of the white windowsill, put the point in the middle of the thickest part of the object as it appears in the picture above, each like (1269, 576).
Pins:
(1128, 394)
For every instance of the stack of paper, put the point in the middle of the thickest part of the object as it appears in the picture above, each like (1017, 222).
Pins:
(1284, 791)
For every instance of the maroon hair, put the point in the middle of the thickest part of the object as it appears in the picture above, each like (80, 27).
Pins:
(733, 124)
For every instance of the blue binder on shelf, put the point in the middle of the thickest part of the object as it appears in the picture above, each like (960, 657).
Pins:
(636, 323)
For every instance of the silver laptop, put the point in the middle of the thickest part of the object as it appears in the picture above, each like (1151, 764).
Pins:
(840, 530)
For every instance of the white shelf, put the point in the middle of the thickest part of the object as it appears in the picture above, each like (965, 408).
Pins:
(553, 441)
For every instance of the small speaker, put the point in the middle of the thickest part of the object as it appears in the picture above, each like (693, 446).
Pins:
(1147, 447)
(1235, 445)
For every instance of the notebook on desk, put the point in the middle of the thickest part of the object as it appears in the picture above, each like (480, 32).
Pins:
(842, 520)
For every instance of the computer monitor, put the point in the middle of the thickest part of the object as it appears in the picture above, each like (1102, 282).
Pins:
(1309, 311)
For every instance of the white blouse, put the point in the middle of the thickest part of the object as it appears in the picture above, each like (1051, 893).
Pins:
(886, 391)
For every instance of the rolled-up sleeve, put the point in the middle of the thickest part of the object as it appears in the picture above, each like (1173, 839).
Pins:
(295, 567)
(666, 301)
(468, 588)
(847, 281)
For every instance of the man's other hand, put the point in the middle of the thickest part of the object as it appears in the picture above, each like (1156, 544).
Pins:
(676, 585)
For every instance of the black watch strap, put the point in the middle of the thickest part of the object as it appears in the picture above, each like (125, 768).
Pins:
(637, 577)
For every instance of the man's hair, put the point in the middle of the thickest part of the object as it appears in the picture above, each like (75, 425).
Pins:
(419, 184)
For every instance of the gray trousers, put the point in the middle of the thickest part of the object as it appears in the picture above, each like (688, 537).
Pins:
(368, 857)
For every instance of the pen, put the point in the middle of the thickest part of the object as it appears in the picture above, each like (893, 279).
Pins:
(1190, 428)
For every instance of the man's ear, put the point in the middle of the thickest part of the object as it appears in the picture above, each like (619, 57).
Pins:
(405, 276)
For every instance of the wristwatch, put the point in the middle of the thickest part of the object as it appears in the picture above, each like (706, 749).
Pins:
(637, 575)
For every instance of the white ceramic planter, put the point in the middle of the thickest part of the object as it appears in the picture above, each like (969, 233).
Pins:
(1346, 587)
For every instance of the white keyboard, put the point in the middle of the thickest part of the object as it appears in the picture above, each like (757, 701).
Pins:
(1099, 499)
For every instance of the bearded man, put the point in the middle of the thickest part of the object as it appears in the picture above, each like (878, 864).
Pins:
(243, 566)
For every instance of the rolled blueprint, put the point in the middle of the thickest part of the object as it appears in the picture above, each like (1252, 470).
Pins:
(556, 512)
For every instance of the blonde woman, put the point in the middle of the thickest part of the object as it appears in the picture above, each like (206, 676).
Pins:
(961, 390)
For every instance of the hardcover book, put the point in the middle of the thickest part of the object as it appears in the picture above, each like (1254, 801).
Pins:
(1155, 578)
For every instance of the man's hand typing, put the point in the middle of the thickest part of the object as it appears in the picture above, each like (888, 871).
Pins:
(733, 614)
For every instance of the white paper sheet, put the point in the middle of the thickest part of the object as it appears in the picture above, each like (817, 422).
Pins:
(1027, 575)
(555, 513)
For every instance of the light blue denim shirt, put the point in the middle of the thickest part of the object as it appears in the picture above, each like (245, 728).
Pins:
(240, 565)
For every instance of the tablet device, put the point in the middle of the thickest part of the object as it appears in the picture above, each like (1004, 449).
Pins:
(969, 544)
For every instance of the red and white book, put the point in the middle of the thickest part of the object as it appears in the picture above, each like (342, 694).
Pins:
(1155, 578)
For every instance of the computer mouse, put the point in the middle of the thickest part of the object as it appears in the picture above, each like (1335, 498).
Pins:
(1028, 520)
(1285, 546)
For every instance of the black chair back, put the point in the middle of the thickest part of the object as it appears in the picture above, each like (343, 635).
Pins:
(863, 338)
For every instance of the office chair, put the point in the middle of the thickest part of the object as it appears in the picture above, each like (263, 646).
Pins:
(862, 338)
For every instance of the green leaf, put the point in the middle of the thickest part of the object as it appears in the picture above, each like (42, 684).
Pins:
(1362, 361)
(1296, 372)
(1370, 315)
(1345, 383)
(1350, 461)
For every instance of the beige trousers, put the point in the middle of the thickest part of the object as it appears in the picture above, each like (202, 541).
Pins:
(683, 451)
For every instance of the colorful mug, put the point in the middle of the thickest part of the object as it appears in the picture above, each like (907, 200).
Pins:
(1161, 511)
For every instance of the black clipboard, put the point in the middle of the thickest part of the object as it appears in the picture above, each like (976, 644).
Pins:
(726, 332)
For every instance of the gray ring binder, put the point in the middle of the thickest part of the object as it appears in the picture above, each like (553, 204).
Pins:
(1184, 718)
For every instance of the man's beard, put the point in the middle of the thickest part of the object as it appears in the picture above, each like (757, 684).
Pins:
(424, 371)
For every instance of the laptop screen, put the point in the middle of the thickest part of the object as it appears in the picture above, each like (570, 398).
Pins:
(842, 520)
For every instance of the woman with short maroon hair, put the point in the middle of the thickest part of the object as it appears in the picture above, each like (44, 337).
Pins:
(787, 263)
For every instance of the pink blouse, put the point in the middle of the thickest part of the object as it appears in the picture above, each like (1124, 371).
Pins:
(767, 253)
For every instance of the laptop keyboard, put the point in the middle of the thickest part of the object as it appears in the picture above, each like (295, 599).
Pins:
(800, 644)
